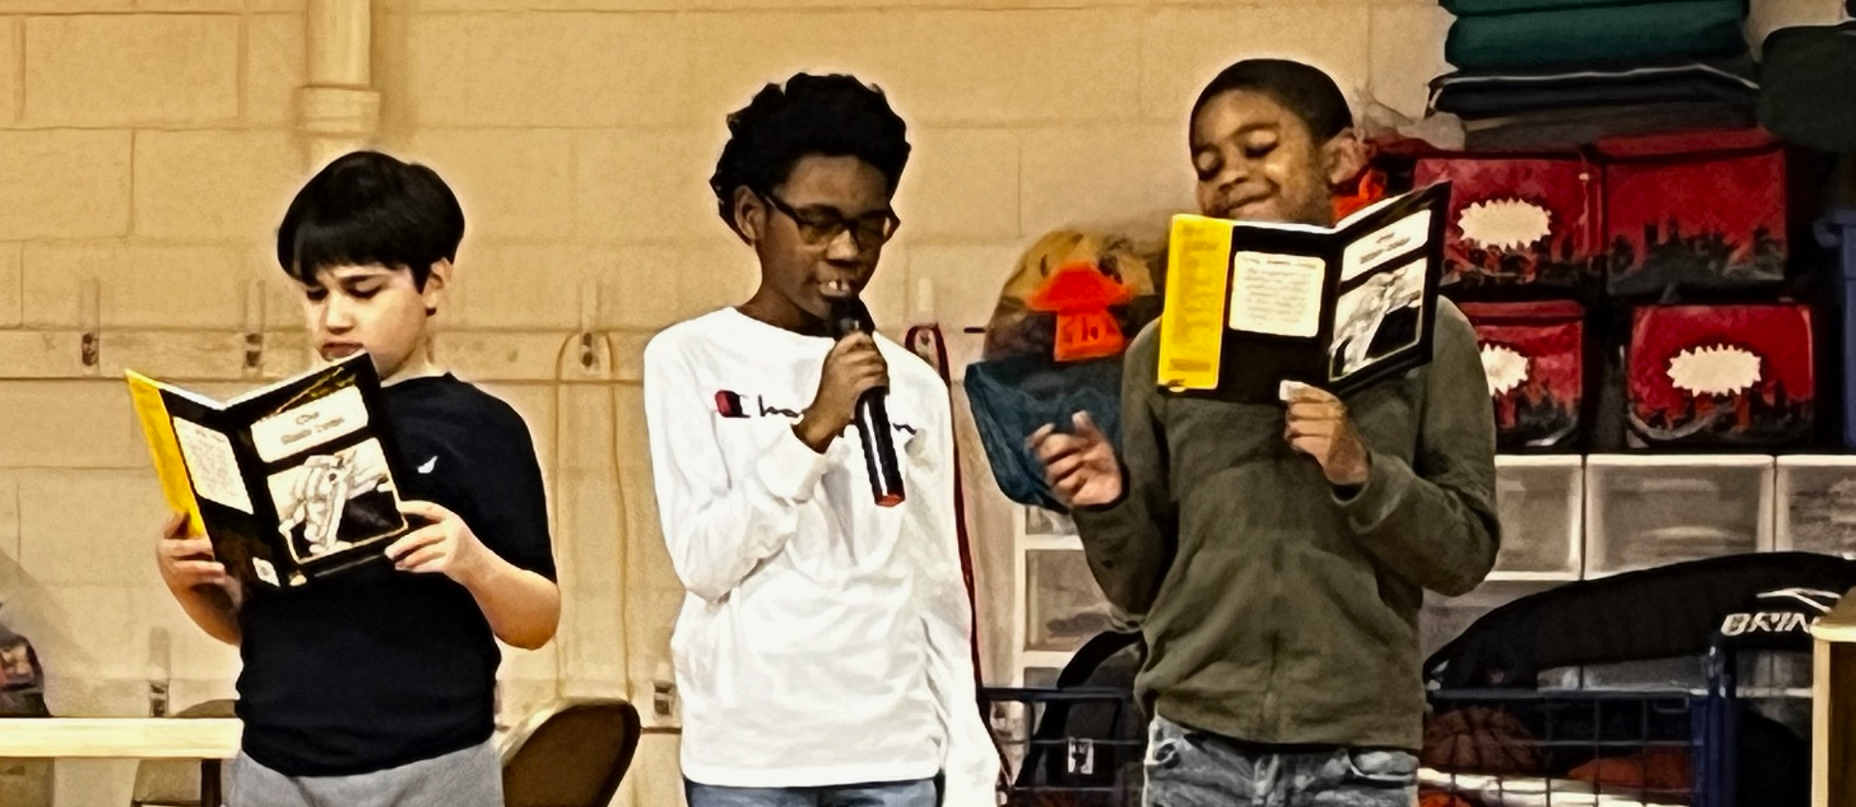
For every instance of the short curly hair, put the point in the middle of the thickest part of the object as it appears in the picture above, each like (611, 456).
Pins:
(832, 115)
(1303, 89)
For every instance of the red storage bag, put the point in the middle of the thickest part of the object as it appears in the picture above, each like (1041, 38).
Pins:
(1695, 211)
(1516, 220)
(1534, 354)
(1721, 375)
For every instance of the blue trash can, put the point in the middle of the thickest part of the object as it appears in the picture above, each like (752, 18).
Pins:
(1837, 231)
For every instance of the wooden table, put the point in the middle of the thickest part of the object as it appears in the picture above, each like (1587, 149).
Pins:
(1833, 699)
(209, 740)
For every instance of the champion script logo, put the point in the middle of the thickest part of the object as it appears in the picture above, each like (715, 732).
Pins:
(730, 404)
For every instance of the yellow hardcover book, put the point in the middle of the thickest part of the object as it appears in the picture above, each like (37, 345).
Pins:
(164, 449)
(1250, 304)
(291, 482)
(1197, 284)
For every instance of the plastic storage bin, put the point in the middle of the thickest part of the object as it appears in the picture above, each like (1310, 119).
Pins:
(1816, 505)
(1541, 500)
(1644, 511)
(1064, 607)
(1058, 605)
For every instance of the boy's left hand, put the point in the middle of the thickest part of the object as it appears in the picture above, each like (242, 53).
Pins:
(1318, 426)
(445, 544)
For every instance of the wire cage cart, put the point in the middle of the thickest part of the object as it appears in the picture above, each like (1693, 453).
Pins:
(1069, 746)
(1592, 747)
(1607, 748)
(1604, 747)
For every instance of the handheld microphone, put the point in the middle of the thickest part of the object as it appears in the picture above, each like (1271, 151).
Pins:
(848, 316)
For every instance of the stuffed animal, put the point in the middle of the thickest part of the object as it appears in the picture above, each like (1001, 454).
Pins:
(1052, 287)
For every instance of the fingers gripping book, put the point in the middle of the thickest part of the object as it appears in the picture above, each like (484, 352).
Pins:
(1250, 305)
(292, 482)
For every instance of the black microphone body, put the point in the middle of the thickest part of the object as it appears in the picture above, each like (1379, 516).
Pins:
(849, 316)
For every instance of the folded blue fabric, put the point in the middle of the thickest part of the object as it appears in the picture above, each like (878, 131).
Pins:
(1481, 94)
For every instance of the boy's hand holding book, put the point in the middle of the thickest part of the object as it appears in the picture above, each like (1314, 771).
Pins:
(445, 545)
(187, 561)
(1319, 427)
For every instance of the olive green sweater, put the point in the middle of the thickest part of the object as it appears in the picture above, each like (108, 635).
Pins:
(1276, 610)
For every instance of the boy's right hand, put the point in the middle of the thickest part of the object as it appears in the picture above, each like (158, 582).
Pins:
(1081, 467)
(853, 367)
(186, 561)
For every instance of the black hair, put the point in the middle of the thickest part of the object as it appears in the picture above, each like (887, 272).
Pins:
(833, 116)
(368, 208)
(1304, 90)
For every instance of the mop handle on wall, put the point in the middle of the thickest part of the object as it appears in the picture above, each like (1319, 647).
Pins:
(926, 341)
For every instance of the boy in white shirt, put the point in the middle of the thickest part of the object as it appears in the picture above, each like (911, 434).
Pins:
(823, 645)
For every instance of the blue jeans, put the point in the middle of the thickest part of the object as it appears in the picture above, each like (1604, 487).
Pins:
(1190, 768)
(920, 793)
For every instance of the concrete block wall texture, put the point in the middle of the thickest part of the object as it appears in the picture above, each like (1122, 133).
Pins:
(147, 148)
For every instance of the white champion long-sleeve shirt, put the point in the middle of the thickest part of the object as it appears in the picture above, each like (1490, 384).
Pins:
(823, 640)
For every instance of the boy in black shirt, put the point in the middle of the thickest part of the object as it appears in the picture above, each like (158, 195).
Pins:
(377, 688)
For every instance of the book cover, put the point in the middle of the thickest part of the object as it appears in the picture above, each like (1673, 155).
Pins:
(1250, 305)
(291, 482)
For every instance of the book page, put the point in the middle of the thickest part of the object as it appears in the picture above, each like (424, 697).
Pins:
(336, 501)
(212, 465)
(1276, 294)
(300, 428)
(1380, 317)
(1384, 244)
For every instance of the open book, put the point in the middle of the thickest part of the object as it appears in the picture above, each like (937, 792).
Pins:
(291, 482)
(1250, 305)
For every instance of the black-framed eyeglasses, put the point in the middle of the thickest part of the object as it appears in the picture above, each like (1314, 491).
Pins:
(823, 225)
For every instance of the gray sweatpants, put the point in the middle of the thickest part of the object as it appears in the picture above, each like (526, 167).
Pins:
(472, 777)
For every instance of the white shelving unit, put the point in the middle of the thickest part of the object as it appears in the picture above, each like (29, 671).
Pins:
(1564, 518)
(1541, 499)
(1644, 511)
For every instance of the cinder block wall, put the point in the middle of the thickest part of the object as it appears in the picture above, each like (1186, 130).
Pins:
(147, 148)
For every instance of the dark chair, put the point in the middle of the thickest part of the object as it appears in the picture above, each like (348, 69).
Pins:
(570, 753)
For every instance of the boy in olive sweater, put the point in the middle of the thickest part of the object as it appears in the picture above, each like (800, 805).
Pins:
(1276, 555)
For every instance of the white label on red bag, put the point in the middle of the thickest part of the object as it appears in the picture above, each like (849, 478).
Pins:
(1506, 368)
(1714, 371)
(1505, 224)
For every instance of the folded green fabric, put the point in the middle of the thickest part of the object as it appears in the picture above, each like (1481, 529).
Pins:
(1592, 37)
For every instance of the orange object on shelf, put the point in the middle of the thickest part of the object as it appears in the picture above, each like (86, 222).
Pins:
(1369, 188)
(1081, 295)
